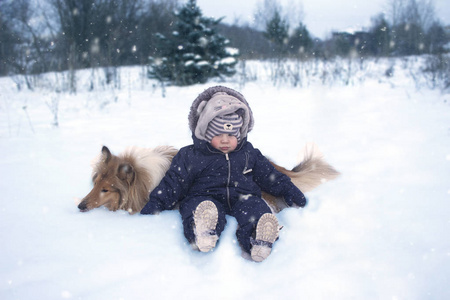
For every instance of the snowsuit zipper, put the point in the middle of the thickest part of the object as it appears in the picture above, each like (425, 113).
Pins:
(228, 181)
(246, 164)
(229, 170)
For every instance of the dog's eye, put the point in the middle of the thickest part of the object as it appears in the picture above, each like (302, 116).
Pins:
(105, 191)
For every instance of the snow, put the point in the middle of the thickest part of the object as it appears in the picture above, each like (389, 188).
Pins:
(227, 61)
(202, 63)
(380, 231)
(232, 51)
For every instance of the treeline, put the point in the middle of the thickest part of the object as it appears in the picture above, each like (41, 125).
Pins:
(409, 27)
(58, 35)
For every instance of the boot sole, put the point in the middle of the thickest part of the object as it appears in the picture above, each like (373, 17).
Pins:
(205, 220)
(267, 231)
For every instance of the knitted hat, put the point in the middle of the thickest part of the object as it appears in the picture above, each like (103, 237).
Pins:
(219, 105)
(227, 124)
(209, 94)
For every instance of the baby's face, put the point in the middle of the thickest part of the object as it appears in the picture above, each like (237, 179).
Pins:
(224, 142)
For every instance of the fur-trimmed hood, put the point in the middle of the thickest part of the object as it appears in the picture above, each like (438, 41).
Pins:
(215, 101)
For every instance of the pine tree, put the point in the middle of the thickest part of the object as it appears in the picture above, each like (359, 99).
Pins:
(194, 52)
(277, 32)
(436, 39)
(300, 42)
(381, 36)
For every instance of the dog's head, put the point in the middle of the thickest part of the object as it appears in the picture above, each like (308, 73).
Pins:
(112, 177)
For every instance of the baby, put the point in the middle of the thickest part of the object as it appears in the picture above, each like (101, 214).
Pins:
(222, 174)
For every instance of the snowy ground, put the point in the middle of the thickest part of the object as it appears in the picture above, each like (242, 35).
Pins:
(380, 231)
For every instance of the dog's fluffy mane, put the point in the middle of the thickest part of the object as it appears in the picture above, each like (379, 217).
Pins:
(145, 167)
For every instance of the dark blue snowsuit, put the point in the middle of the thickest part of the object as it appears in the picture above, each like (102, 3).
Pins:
(232, 181)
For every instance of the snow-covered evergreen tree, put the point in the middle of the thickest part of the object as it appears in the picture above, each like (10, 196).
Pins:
(194, 52)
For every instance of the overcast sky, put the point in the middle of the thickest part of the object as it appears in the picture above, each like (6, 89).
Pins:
(320, 16)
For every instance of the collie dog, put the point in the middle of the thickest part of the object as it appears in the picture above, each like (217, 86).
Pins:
(126, 180)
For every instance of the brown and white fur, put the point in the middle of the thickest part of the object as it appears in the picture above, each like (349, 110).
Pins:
(126, 180)
(307, 175)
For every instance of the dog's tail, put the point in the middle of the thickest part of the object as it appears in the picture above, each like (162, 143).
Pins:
(307, 175)
(312, 171)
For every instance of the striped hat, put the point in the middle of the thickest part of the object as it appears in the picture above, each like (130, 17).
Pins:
(228, 124)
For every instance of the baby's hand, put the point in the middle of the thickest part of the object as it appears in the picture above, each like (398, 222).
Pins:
(151, 208)
(295, 197)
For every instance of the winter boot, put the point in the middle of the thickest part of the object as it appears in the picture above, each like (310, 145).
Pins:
(205, 222)
(266, 234)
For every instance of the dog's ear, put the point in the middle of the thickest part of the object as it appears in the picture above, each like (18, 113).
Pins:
(126, 173)
(106, 154)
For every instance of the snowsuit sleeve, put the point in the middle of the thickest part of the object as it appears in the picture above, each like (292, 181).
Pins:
(173, 187)
(276, 183)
